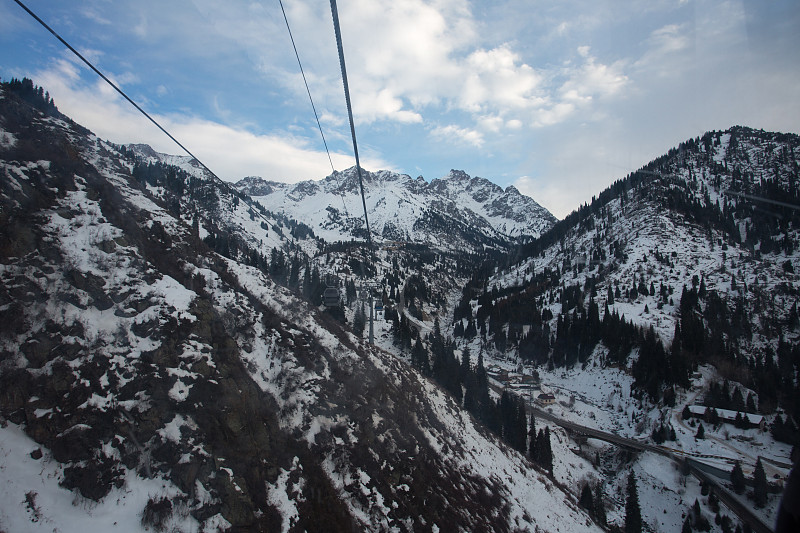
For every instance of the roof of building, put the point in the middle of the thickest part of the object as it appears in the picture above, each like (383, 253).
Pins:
(727, 414)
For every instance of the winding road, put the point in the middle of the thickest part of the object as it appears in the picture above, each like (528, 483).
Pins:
(728, 499)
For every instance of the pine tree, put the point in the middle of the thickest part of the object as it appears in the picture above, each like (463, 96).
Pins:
(701, 432)
(543, 452)
(522, 428)
(547, 451)
(359, 321)
(586, 500)
(633, 513)
(760, 485)
(465, 364)
(599, 504)
(687, 526)
(713, 502)
(696, 512)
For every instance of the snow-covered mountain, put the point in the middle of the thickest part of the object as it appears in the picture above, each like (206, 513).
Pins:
(702, 243)
(451, 213)
(154, 375)
(676, 286)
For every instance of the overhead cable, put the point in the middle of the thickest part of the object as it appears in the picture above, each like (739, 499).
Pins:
(316, 116)
(338, 32)
(306, 82)
(225, 184)
(114, 86)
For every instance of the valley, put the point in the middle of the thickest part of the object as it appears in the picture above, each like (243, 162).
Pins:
(167, 360)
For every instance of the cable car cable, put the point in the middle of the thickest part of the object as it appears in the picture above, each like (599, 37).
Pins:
(316, 116)
(302, 72)
(113, 85)
(225, 184)
(335, 15)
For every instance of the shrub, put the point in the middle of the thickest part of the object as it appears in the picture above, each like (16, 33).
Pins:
(156, 513)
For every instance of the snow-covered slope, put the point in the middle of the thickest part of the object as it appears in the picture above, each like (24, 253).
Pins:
(680, 277)
(150, 381)
(448, 213)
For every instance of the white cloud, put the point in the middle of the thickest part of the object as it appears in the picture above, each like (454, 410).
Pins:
(491, 123)
(593, 79)
(381, 106)
(230, 152)
(496, 79)
(456, 134)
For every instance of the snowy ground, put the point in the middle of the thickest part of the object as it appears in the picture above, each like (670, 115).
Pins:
(600, 397)
(33, 501)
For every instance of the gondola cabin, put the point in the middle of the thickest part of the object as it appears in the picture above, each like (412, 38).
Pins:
(331, 297)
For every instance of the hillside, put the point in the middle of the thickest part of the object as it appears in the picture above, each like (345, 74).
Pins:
(676, 286)
(153, 373)
(457, 212)
(702, 241)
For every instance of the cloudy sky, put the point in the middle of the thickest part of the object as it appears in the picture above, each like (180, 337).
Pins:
(557, 98)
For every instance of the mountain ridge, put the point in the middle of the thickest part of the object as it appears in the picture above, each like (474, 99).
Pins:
(503, 216)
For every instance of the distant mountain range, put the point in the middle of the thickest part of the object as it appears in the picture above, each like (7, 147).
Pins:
(449, 213)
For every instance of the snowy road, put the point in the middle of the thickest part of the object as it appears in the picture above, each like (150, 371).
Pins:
(732, 503)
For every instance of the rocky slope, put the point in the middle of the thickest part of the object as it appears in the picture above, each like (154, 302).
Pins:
(153, 374)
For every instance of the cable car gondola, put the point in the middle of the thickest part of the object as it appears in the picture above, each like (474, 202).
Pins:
(331, 297)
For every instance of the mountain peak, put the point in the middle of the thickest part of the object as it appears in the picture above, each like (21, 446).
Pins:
(448, 212)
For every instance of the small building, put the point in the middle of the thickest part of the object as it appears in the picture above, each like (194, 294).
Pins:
(545, 398)
(748, 420)
(497, 373)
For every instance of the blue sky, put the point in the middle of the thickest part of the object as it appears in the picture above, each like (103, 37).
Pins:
(557, 98)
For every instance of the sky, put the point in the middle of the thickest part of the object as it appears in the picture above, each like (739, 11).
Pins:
(558, 99)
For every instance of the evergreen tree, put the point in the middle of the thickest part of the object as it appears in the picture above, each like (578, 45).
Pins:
(697, 514)
(701, 432)
(419, 357)
(633, 513)
(465, 364)
(359, 321)
(522, 428)
(687, 526)
(759, 485)
(587, 500)
(713, 502)
(599, 504)
(751, 403)
(546, 451)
